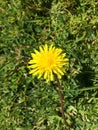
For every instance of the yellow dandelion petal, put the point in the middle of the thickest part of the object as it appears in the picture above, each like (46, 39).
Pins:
(33, 71)
(40, 74)
(46, 48)
(46, 75)
(51, 76)
(32, 54)
(58, 72)
(66, 60)
(37, 72)
(51, 47)
(41, 49)
(33, 66)
(36, 52)
(58, 51)
(46, 61)
(63, 55)
(31, 61)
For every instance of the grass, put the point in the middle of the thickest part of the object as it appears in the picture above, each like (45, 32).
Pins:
(28, 103)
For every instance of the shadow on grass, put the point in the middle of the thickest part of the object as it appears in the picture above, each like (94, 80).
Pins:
(85, 77)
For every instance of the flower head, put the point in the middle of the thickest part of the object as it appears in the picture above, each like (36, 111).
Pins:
(47, 62)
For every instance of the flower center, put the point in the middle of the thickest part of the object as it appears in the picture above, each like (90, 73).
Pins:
(47, 61)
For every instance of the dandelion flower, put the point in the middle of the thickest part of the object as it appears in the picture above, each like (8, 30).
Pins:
(47, 62)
